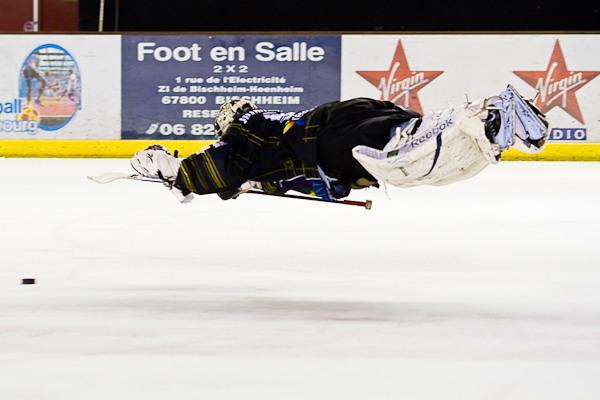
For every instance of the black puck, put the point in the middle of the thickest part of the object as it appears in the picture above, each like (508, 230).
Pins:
(28, 281)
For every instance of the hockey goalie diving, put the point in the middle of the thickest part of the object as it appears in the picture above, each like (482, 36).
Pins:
(334, 148)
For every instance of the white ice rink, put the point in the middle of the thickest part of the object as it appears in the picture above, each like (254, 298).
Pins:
(485, 289)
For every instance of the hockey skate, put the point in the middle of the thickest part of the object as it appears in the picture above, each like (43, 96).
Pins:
(514, 121)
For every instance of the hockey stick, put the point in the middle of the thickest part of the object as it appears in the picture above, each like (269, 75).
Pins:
(113, 176)
(366, 204)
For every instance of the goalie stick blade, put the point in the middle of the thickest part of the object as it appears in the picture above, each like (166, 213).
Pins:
(113, 176)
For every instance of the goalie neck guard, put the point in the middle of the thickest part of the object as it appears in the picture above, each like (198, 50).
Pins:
(229, 112)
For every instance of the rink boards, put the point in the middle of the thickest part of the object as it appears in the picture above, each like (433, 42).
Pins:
(109, 95)
(126, 148)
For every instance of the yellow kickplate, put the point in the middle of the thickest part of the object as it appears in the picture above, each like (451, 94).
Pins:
(126, 148)
(93, 148)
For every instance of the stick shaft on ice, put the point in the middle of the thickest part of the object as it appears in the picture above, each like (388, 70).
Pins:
(113, 176)
(366, 204)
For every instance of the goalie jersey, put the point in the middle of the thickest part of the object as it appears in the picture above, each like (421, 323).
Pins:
(299, 151)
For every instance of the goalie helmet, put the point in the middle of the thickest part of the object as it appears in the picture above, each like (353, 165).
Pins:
(228, 112)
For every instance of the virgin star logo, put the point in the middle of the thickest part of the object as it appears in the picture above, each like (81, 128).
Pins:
(399, 84)
(557, 84)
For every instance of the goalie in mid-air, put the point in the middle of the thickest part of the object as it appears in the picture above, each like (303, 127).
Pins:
(331, 149)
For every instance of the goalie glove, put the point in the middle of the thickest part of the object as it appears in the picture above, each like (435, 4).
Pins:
(156, 162)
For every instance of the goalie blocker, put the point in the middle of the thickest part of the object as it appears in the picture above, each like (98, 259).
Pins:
(339, 146)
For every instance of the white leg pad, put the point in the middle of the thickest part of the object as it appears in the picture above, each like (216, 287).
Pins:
(448, 146)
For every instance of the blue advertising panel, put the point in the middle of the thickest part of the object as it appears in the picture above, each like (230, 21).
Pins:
(174, 85)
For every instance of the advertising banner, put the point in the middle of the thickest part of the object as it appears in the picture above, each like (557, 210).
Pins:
(60, 87)
(429, 72)
(173, 85)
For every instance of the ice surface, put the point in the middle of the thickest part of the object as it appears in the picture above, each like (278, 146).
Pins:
(484, 289)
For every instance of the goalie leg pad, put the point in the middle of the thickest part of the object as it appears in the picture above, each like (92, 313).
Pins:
(446, 147)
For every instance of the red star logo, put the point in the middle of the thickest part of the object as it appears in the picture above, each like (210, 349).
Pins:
(399, 84)
(557, 84)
